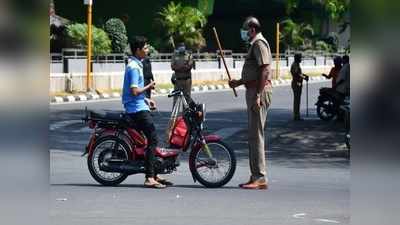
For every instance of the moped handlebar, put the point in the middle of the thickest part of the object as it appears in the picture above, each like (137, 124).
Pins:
(175, 93)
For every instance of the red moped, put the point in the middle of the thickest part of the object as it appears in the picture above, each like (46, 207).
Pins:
(116, 149)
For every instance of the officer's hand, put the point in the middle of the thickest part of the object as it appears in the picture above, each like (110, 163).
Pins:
(233, 83)
(306, 77)
(257, 104)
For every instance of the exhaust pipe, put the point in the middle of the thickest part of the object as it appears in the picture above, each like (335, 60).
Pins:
(126, 167)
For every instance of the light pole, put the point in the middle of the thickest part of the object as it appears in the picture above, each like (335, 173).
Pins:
(89, 4)
(277, 52)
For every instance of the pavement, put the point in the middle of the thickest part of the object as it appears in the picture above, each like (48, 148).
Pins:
(309, 175)
(162, 92)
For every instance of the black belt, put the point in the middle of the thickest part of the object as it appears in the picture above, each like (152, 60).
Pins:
(183, 78)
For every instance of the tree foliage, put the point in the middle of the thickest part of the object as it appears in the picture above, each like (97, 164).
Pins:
(296, 36)
(100, 41)
(183, 24)
(116, 31)
(336, 9)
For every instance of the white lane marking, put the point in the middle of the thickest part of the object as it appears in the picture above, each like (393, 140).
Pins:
(326, 221)
(85, 129)
(61, 124)
(227, 132)
(77, 142)
(299, 215)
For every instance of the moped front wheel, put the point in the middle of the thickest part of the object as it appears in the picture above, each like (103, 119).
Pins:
(214, 166)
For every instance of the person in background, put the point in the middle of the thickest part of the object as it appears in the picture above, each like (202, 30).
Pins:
(147, 74)
(182, 64)
(297, 85)
(343, 80)
(333, 74)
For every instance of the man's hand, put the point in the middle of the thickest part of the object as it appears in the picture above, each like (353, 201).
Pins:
(257, 103)
(152, 85)
(325, 75)
(151, 103)
(306, 77)
(234, 83)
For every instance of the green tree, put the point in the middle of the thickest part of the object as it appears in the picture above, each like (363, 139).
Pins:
(116, 30)
(296, 36)
(336, 9)
(183, 24)
(100, 41)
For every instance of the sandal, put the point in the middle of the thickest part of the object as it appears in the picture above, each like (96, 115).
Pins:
(164, 181)
(154, 185)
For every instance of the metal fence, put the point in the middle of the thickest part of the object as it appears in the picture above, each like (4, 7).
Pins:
(74, 60)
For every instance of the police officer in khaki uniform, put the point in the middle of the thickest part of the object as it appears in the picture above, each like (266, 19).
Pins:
(182, 64)
(297, 85)
(256, 76)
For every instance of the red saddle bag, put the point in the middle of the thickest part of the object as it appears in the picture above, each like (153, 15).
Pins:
(180, 133)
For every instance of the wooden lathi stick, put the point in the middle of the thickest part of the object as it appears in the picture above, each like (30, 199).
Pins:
(223, 59)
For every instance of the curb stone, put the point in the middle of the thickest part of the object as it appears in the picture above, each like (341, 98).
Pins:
(195, 89)
(104, 95)
(81, 98)
(115, 95)
(57, 99)
(91, 96)
(69, 98)
(211, 87)
(204, 88)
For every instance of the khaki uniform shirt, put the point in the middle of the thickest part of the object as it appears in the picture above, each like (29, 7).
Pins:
(296, 72)
(259, 54)
(182, 65)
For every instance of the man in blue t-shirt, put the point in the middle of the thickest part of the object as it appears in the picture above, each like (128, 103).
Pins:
(137, 107)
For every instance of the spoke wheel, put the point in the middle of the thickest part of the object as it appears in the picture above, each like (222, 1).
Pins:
(326, 109)
(102, 152)
(217, 170)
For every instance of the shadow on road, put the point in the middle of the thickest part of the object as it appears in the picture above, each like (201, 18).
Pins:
(287, 141)
(191, 186)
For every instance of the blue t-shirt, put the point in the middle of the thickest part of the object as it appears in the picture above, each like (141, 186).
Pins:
(133, 78)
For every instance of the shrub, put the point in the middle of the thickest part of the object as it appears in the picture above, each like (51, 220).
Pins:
(101, 44)
(116, 30)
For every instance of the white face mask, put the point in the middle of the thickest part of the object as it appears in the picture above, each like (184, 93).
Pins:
(244, 35)
(181, 49)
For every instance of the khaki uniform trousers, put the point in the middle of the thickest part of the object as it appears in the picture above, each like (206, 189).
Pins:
(185, 85)
(297, 88)
(256, 124)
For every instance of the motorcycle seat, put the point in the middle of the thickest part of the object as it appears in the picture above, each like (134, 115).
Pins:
(117, 116)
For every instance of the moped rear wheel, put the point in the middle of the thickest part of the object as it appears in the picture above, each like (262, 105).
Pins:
(214, 171)
(103, 149)
(326, 109)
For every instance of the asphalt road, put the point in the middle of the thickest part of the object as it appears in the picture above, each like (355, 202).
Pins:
(308, 169)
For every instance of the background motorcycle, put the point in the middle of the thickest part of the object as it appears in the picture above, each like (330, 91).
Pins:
(328, 104)
(116, 149)
(346, 112)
